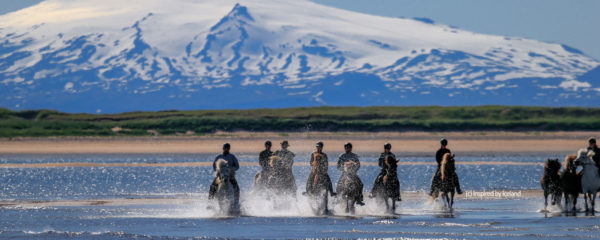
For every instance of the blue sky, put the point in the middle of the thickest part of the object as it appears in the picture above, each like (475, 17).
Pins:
(571, 22)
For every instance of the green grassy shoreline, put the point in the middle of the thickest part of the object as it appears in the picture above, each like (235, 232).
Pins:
(45, 123)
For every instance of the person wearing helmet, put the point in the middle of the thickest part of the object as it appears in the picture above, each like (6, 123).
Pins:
(322, 166)
(233, 164)
(284, 174)
(343, 159)
(387, 151)
(260, 179)
(437, 176)
(592, 146)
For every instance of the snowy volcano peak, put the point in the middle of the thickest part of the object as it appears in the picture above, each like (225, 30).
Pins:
(185, 54)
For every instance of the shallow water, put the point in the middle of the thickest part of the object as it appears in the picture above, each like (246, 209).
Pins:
(182, 209)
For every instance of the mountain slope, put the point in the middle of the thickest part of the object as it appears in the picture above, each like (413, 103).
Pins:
(113, 56)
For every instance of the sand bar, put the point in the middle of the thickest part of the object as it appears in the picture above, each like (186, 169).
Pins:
(364, 142)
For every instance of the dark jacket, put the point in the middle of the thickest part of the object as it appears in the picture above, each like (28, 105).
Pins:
(263, 159)
(439, 156)
(596, 156)
(232, 161)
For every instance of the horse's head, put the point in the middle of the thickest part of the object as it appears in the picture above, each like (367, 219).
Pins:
(552, 165)
(570, 163)
(222, 169)
(273, 160)
(351, 167)
(584, 157)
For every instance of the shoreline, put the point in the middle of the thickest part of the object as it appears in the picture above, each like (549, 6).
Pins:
(408, 143)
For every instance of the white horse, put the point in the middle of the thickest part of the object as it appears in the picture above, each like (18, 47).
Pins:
(590, 180)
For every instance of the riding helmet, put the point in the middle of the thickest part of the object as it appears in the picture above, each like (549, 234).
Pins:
(444, 142)
(227, 145)
(592, 141)
(319, 144)
(387, 146)
(268, 143)
(285, 142)
(348, 145)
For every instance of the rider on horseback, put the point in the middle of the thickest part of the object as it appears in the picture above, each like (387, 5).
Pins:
(593, 147)
(263, 160)
(282, 177)
(324, 162)
(437, 177)
(233, 164)
(387, 152)
(346, 157)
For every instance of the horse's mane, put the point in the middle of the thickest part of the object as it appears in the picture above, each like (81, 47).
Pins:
(445, 160)
(569, 162)
(584, 152)
(273, 161)
(221, 165)
(350, 167)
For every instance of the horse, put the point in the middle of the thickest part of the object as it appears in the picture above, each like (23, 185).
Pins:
(225, 195)
(590, 179)
(348, 188)
(447, 180)
(281, 180)
(318, 190)
(389, 189)
(550, 182)
(570, 183)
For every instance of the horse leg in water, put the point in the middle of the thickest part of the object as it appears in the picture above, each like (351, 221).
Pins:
(451, 199)
(585, 197)
(393, 205)
(593, 202)
(545, 199)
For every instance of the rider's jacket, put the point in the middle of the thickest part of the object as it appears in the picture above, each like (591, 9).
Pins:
(439, 156)
(596, 156)
(232, 161)
(263, 159)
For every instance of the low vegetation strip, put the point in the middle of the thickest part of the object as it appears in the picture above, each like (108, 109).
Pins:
(40, 123)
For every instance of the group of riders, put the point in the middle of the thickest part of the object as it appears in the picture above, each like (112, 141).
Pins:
(277, 176)
(571, 182)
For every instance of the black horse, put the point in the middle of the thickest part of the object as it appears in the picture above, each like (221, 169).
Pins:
(389, 188)
(551, 183)
(570, 183)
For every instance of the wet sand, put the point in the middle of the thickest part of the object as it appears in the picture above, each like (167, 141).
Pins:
(247, 142)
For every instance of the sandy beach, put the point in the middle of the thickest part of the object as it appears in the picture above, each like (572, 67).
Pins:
(414, 143)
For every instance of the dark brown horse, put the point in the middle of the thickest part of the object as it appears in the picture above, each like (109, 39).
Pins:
(551, 182)
(389, 189)
(447, 185)
(570, 183)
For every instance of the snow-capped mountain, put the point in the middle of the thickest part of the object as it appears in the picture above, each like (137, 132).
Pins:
(114, 55)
